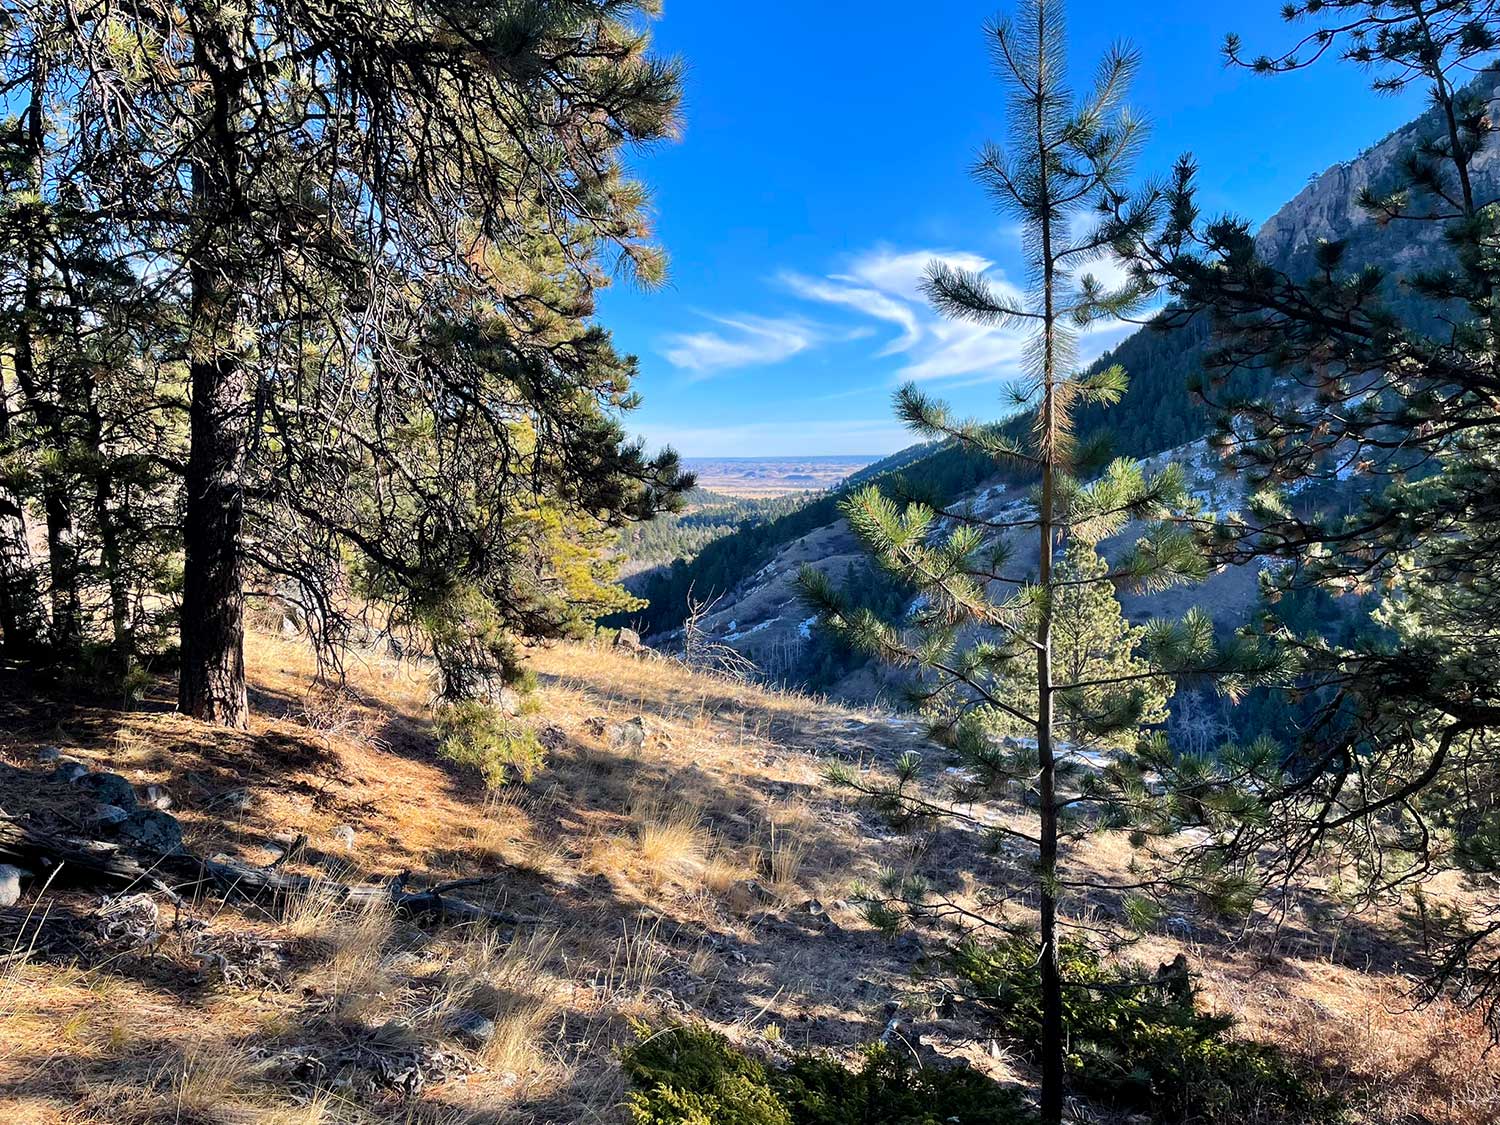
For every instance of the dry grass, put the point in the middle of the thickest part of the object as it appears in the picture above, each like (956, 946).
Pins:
(622, 866)
(670, 838)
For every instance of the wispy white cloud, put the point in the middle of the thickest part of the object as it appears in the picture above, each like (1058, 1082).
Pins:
(886, 284)
(902, 271)
(871, 302)
(741, 341)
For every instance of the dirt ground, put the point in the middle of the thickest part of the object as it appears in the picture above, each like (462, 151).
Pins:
(706, 873)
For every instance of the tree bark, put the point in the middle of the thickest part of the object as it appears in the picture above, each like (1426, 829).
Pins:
(20, 606)
(212, 681)
(1051, 1102)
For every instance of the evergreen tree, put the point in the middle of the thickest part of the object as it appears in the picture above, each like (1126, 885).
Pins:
(1391, 380)
(379, 232)
(1094, 652)
(1001, 647)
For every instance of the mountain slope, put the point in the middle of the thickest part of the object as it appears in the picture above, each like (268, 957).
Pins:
(753, 569)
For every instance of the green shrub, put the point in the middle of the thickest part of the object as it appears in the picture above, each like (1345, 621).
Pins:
(686, 1075)
(1141, 1043)
(476, 735)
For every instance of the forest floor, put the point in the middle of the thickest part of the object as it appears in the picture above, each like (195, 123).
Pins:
(706, 874)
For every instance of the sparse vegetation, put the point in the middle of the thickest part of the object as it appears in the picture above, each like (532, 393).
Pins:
(689, 1075)
(474, 734)
(1139, 1041)
(340, 788)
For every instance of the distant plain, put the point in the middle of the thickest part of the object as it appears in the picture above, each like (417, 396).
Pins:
(772, 476)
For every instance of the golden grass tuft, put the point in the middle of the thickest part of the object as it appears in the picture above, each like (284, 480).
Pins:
(671, 839)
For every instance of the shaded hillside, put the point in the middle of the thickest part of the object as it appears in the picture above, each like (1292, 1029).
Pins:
(724, 563)
(704, 872)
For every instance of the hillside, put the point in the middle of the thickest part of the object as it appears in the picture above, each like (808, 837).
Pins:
(752, 568)
(704, 873)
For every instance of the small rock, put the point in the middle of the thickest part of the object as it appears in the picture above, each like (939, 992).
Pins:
(631, 734)
(747, 896)
(10, 883)
(237, 799)
(628, 640)
(471, 1028)
(107, 814)
(48, 755)
(152, 830)
(69, 771)
(110, 788)
(158, 798)
(344, 834)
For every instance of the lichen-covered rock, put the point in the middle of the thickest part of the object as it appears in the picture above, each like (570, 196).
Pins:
(107, 815)
(629, 735)
(152, 830)
(108, 788)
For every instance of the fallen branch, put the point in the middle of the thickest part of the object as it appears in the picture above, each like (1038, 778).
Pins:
(181, 874)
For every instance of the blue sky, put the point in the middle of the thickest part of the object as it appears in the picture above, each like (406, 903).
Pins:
(823, 164)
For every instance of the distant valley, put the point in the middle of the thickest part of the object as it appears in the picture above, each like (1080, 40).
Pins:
(772, 476)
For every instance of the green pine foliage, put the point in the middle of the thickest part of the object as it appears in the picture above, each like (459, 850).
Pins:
(691, 1075)
(1376, 361)
(1141, 1042)
(473, 734)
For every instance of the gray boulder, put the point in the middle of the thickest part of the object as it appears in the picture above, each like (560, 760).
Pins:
(109, 815)
(110, 788)
(68, 771)
(629, 735)
(628, 640)
(10, 883)
(152, 830)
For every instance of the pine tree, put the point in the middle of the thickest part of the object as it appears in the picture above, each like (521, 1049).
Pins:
(381, 231)
(1383, 389)
(1000, 647)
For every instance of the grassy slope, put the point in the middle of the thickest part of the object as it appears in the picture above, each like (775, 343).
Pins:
(630, 870)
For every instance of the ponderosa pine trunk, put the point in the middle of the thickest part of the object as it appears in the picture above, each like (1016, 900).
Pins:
(212, 681)
(211, 684)
(1051, 1106)
(20, 609)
